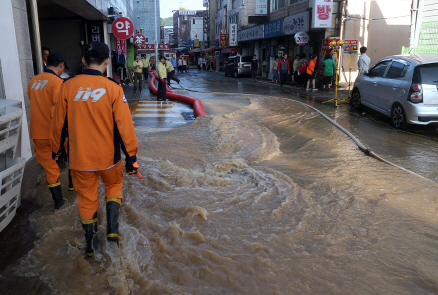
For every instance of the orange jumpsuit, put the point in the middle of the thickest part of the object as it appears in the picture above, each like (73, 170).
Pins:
(99, 125)
(44, 91)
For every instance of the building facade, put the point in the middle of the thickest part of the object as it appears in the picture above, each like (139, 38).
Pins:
(181, 24)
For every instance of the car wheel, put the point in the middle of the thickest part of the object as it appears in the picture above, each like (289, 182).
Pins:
(398, 117)
(355, 99)
(236, 74)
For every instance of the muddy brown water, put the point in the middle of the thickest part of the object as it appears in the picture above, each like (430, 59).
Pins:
(271, 199)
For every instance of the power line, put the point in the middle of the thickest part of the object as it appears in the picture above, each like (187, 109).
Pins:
(382, 18)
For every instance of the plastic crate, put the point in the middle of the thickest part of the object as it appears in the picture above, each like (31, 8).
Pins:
(10, 122)
(11, 175)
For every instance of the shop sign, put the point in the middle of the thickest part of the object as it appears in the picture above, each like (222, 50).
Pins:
(296, 23)
(301, 38)
(322, 14)
(233, 35)
(123, 28)
(273, 29)
(139, 40)
(120, 46)
(250, 34)
(95, 31)
(352, 46)
(223, 38)
(152, 46)
(205, 3)
(187, 12)
(196, 43)
(229, 5)
(261, 7)
(166, 35)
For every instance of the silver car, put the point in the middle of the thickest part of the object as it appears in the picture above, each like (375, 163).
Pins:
(403, 87)
(238, 65)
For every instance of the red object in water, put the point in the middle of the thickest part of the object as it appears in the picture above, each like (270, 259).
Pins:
(196, 103)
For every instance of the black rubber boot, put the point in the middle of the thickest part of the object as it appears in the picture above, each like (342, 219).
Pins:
(112, 219)
(56, 191)
(70, 187)
(90, 230)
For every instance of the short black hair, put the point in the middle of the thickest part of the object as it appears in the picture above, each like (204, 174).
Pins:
(135, 56)
(45, 48)
(363, 49)
(297, 55)
(327, 56)
(254, 55)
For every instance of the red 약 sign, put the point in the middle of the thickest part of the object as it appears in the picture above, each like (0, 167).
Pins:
(123, 28)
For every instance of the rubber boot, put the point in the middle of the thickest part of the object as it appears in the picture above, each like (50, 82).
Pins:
(112, 219)
(56, 191)
(90, 230)
(70, 187)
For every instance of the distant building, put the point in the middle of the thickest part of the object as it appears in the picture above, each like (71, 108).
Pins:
(181, 24)
(196, 29)
(144, 13)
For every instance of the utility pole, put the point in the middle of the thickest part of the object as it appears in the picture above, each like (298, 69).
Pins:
(156, 37)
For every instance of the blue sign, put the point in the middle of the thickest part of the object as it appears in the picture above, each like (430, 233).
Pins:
(273, 29)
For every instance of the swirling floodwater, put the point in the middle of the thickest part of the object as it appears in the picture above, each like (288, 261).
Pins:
(272, 199)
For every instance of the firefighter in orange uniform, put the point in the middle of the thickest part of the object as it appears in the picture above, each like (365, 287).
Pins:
(44, 91)
(99, 125)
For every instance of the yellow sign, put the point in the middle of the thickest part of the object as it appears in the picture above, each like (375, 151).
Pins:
(196, 43)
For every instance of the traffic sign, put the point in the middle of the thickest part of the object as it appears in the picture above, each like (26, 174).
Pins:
(123, 28)
(139, 40)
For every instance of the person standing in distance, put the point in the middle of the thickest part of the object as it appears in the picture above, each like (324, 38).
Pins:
(45, 54)
(44, 91)
(284, 69)
(254, 67)
(99, 125)
(145, 63)
(170, 73)
(162, 76)
(364, 61)
(138, 71)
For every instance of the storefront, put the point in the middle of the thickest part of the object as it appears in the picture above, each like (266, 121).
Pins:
(251, 42)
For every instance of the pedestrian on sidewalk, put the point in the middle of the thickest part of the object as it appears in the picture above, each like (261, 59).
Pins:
(284, 69)
(174, 63)
(138, 71)
(152, 63)
(274, 71)
(170, 73)
(364, 61)
(254, 67)
(303, 76)
(199, 63)
(180, 65)
(162, 76)
(145, 62)
(45, 54)
(296, 67)
(204, 68)
(184, 64)
(44, 91)
(99, 125)
(311, 72)
(329, 67)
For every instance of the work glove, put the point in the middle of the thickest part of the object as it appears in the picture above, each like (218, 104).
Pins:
(131, 168)
(162, 81)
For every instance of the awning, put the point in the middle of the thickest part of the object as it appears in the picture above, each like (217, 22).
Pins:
(169, 51)
(211, 49)
(195, 50)
(230, 50)
(190, 42)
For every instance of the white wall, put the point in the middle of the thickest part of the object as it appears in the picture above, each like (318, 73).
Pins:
(12, 72)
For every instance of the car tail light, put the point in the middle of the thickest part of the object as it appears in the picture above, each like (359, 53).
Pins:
(416, 97)
(416, 87)
(238, 65)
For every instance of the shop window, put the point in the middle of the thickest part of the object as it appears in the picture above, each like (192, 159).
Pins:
(193, 21)
(233, 19)
(278, 4)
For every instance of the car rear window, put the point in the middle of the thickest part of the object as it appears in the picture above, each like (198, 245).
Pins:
(246, 58)
(426, 74)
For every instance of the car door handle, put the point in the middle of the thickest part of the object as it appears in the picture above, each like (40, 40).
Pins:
(394, 87)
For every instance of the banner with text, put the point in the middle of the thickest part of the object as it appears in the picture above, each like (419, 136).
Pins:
(223, 38)
(233, 35)
(251, 34)
(322, 14)
(296, 23)
(273, 29)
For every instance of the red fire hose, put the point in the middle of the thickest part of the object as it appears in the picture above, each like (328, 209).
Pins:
(196, 103)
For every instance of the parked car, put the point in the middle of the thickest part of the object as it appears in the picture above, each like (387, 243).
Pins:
(238, 65)
(403, 87)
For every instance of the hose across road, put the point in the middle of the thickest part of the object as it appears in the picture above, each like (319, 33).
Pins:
(195, 102)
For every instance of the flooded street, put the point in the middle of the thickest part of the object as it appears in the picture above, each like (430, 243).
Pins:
(262, 196)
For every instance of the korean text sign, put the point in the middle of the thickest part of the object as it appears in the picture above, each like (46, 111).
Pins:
(120, 46)
(322, 14)
(223, 38)
(251, 34)
(233, 35)
(296, 23)
(273, 29)
(261, 7)
(139, 40)
(123, 28)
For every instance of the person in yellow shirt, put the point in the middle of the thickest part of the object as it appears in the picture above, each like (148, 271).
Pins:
(170, 73)
(138, 72)
(184, 61)
(145, 62)
(162, 76)
(44, 91)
